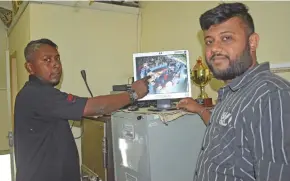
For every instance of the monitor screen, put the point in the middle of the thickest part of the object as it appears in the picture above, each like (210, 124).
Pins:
(169, 71)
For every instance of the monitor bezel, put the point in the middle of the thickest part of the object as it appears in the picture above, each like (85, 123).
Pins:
(170, 95)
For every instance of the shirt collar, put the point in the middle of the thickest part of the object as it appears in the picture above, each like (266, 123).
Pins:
(35, 79)
(248, 76)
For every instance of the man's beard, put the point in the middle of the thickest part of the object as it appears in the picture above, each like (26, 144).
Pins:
(50, 82)
(236, 67)
(55, 83)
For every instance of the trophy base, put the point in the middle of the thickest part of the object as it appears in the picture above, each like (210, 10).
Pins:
(207, 102)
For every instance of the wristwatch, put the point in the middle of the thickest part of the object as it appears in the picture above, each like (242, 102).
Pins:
(133, 95)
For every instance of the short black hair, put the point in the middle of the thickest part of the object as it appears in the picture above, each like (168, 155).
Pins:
(34, 45)
(224, 12)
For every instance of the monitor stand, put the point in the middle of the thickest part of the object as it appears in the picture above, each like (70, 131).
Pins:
(163, 105)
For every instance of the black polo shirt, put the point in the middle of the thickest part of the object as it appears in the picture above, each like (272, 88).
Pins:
(45, 149)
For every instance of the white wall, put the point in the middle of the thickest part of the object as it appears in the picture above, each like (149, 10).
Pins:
(175, 25)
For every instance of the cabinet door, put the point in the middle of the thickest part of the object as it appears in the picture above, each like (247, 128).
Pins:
(92, 154)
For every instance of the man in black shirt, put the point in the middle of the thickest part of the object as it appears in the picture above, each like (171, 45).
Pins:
(45, 149)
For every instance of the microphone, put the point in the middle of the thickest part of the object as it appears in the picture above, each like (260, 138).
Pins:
(84, 76)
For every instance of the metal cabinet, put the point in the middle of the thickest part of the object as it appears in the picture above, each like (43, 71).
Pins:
(145, 149)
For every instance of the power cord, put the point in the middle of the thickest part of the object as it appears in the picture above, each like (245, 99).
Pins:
(82, 130)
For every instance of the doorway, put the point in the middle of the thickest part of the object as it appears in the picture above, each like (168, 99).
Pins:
(5, 166)
(13, 85)
(7, 161)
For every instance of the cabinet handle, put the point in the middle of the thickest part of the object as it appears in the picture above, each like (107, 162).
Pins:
(105, 152)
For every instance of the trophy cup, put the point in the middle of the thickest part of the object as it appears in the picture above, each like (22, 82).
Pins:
(201, 76)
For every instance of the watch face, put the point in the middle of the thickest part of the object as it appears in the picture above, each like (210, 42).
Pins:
(135, 95)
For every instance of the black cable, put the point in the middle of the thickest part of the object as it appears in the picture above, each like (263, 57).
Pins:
(84, 76)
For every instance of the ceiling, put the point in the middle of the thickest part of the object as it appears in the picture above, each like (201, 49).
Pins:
(6, 13)
(6, 4)
(122, 3)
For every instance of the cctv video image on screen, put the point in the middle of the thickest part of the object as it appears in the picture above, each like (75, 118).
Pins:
(168, 73)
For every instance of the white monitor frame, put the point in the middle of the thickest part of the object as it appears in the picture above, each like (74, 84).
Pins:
(169, 95)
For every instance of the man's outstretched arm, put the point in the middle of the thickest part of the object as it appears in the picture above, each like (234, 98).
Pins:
(106, 104)
(109, 103)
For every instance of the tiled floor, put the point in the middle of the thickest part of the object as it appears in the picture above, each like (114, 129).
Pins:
(5, 167)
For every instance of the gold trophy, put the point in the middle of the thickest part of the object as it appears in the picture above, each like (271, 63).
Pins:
(201, 76)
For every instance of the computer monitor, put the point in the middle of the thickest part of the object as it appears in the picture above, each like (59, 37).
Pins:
(170, 75)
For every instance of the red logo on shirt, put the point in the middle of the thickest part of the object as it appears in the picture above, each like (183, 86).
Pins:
(70, 98)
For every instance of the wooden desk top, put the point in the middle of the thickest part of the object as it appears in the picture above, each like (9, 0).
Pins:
(99, 118)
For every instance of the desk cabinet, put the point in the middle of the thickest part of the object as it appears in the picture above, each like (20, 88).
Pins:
(139, 147)
(97, 158)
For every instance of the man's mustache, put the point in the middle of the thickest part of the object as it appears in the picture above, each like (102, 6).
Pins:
(219, 55)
